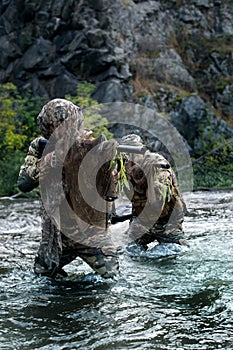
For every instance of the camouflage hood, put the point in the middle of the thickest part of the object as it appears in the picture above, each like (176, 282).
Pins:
(131, 140)
(55, 112)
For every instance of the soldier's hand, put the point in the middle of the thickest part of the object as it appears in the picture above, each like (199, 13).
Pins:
(43, 164)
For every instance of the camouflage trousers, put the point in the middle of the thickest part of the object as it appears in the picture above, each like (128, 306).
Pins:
(103, 260)
(167, 229)
(57, 250)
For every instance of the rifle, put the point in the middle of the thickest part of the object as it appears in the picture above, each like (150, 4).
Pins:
(140, 150)
(132, 149)
(111, 217)
(109, 203)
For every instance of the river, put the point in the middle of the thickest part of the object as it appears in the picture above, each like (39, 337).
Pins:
(183, 302)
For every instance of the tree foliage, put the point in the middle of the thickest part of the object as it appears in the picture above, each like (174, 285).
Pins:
(18, 127)
(92, 118)
(213, 168)
(17, 119)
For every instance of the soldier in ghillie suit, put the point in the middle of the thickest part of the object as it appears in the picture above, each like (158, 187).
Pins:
(72, 224)
(157, 206)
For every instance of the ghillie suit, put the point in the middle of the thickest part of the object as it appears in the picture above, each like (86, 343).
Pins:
(71, 227)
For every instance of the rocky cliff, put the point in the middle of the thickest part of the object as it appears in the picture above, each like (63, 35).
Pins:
(174, 56)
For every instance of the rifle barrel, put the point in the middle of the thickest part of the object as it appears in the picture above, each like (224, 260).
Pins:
(141, 150)
(131, 149)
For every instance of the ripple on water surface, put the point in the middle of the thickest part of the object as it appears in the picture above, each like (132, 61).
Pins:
(182, 302)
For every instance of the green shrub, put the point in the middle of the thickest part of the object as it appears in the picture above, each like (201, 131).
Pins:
(92, 119)
(18, 127)
(17, 119)
(215, 168)
(9, 170)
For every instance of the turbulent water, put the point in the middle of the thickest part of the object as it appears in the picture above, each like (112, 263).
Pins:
(182, 302)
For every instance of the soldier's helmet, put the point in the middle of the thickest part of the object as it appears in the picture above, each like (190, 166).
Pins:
(55, 112)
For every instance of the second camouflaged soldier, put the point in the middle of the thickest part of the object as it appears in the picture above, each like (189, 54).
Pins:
(157, 206)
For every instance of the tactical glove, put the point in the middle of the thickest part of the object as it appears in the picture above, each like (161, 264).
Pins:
(41, 146)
